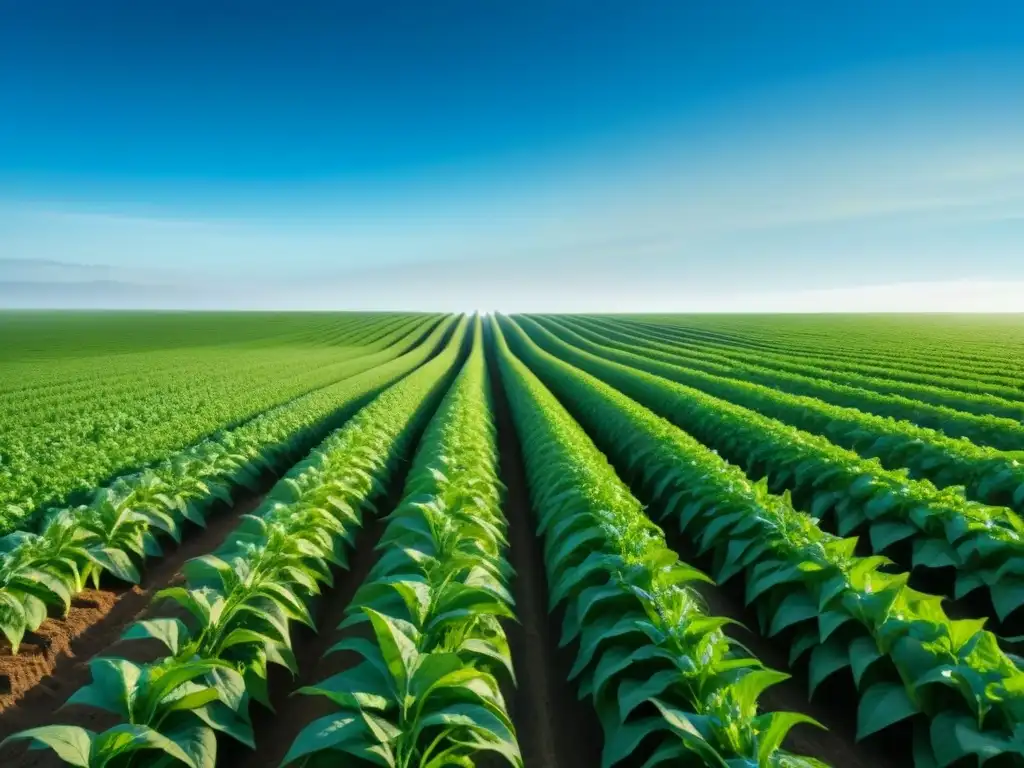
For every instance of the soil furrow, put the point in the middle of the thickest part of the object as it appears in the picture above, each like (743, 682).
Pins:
(554, 728)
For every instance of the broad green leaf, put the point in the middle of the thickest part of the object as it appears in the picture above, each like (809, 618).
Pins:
(882, 705)
(794, 608)
(222, 718)
(773, 728)
(71, 743)
(116, 562)
(826, 660)
(749, 687)
(633, 693)
(398, 650)
(361, 687)
(123, 739)
(198, 742)
(170, 632)
(863, 653)
(691, 736)
(13, 621)
(953, 737)
(1007, 596)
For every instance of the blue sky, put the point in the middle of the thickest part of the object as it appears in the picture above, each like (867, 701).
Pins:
(535, 155)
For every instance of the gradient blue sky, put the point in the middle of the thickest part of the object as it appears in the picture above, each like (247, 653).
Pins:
(530, 155)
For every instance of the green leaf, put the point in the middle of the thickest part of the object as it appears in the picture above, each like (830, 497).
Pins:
(826, 660)
(471, 715)
(691, 736)
(361, 687)
(12, 619)
(770, 574)
(830, 621)
(222, 718)
(887, 533)
(198, 742)
(672, 753)
(71, 743)
(633, 693)
(624, 739)
(955, 736)
(863, 653)
(794, 608)
(882, 705)
(1007, 596)
(116, 562)
(773, 728)
(168, 631)
(494, 650)
(125, 738)
(398, 650)
(113, 686)
(749, 687)
(933, 553)
(806, 639)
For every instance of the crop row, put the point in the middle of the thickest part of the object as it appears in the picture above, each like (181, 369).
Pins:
(905, 656)
(659, 671)
(853, 416)
(241, 600)
(986, 345)
(984, 544)
(965, 415)
(873, 369)
(430, 656)
(51, 449)
(119, 528)
(987, 474)
(62, 378)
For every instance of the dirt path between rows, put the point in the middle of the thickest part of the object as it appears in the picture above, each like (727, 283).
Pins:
(554, 728)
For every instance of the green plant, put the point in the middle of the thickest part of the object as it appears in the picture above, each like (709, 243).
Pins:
(905, 655)
(242, 599)
(427, 691)
(985, 544)
(658, 668)
(900, 432)
(117, 531)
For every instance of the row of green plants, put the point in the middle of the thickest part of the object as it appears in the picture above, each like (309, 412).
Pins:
(886, 345)
(58, 445)
(73, 378)
(241, 601)
(123, 524)
(985, 544)
(907, 659)
(666, 681)
(885, 373)
(430, 656)
(900, 438)
(979, 426)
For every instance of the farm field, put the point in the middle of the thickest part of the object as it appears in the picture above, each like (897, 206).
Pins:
(425, 540)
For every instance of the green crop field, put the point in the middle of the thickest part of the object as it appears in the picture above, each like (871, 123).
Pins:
(424, 540)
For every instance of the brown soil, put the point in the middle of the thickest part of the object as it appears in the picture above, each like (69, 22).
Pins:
(554, 728)
(55, 661)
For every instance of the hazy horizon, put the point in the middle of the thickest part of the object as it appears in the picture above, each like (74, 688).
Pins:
(561, 156)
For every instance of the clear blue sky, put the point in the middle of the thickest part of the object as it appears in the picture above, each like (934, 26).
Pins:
(625, 149)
